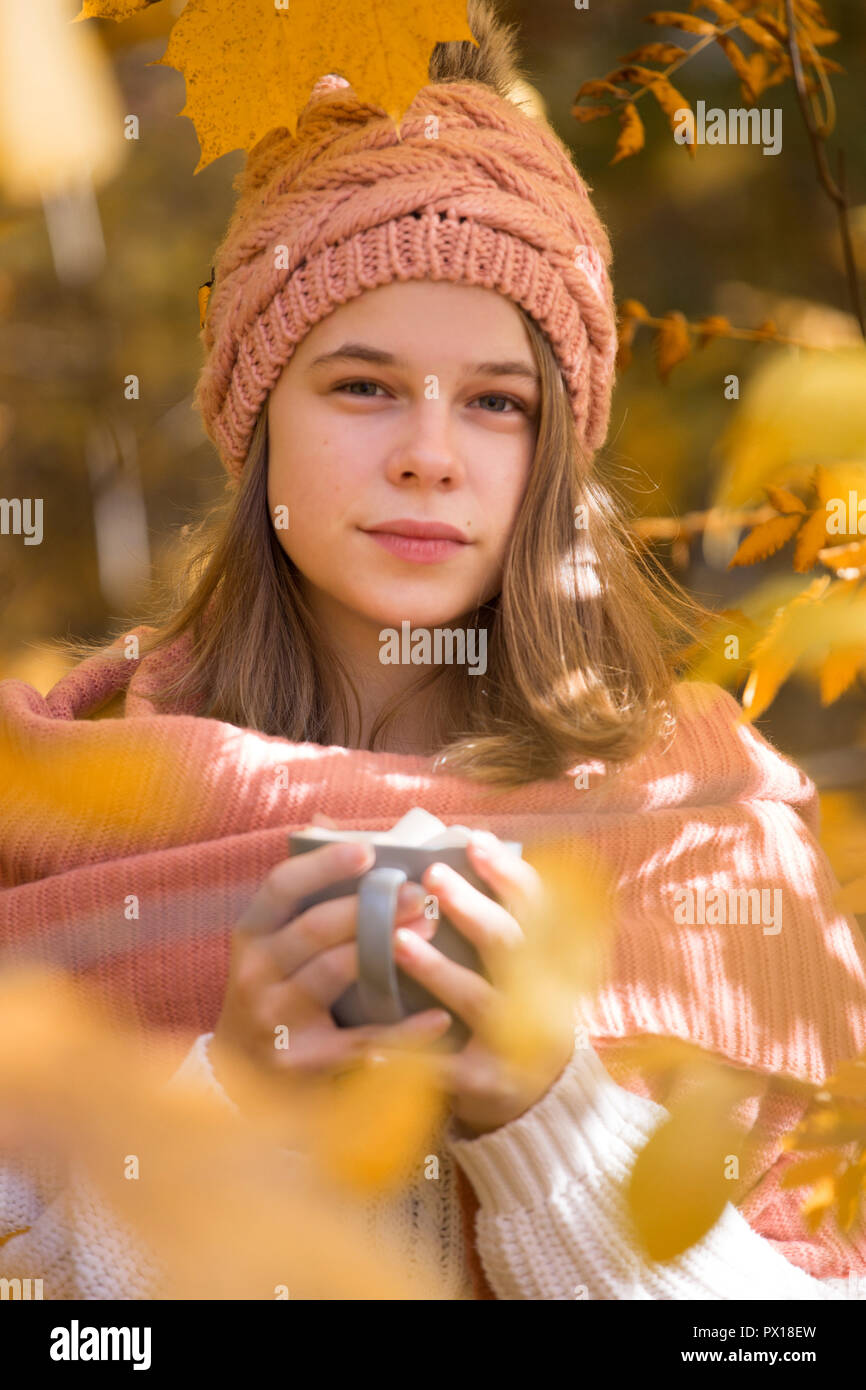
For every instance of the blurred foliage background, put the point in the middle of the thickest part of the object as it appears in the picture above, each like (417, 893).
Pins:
(97, 284)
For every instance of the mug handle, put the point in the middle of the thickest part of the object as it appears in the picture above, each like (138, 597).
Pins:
(378, 989)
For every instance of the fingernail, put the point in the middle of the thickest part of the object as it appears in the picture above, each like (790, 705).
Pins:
(355, 856)
(484, 842)
(412, 897)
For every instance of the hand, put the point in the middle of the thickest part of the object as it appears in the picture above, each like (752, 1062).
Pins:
(485, 1089)
(288, 967)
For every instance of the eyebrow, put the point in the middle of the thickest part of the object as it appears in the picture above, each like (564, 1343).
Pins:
(363, 352)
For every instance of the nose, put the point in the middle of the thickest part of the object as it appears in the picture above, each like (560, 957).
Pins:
(427, 459)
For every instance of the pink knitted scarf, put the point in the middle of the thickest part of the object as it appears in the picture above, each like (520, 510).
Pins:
(191, 813)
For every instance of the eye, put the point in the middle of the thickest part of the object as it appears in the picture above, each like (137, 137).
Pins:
(359, 382)
(495, 396)
(487, 396)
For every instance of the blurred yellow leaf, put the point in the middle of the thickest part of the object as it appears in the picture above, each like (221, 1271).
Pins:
(839, 671)
(371, 1126)
(671, 343)
(796, 412)
(681, 1181)
(711, 327)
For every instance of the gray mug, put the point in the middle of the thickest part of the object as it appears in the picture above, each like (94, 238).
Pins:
(384, 993)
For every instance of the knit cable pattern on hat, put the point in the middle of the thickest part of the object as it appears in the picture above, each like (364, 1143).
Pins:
(493, 200)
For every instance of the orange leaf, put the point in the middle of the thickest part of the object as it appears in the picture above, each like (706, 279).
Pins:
(739, 63)
(112, 9)
(712, 327)
(678, 1186)
(633, 309)
(818, 1203)
(810, 540)
(849, 1193)
(765, 330)
(672, 103)
(764, 540)
(672, 343)
(655, 53)
(598, 88)
(809, 1170)
(784, 501)
(590, 113)
(840, 670)
(625, 337)
(675, 20)
(631, 133)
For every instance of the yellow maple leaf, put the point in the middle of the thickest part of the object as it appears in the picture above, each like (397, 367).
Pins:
(251, 67)
(112, 9)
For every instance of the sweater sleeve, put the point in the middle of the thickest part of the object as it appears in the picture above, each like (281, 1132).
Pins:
(553, 1220)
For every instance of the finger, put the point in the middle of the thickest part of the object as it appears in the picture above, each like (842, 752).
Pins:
(509, 875)
(463, 991)
(293, 879)
(484, 922)
(320, 819)
(334, 922)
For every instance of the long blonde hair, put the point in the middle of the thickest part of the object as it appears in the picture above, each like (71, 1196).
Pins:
(581, 639)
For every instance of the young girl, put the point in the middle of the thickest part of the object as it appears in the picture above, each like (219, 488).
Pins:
(410, 350)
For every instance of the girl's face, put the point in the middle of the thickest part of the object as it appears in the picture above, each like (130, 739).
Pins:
(414, 402)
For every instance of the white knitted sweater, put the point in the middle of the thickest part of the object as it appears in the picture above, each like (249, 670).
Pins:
(552, 1221)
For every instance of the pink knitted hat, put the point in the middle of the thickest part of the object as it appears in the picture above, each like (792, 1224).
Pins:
(485, 194)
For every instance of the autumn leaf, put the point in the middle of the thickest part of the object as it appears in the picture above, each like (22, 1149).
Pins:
(600, 88)
(672, 343)
(370, 1126)
(785, 501)
(663, 53)
(631, 133)
(590, 113)
(764, 540)
(775, 655)
(810, 540)
(739, 63)
(713, 326)
(672, 103)
(674, 20)
(112, 9)
(679, 1186)
(840, 670)
(625, 332)
(633, 309)
(251, 68)
(810, 1170)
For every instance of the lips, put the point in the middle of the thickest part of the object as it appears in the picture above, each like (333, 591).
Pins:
(420, 542)
(419, 530)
